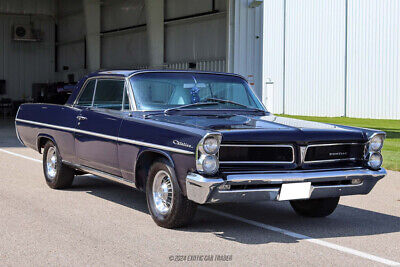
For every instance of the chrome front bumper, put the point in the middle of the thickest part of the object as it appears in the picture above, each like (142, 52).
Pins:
(267, 186)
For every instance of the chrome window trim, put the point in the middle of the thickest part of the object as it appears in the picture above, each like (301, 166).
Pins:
(330, 160)
(95, 90)
(131, 95)
(259, 162)
(104, 77)
(110, 137)
(185, 71)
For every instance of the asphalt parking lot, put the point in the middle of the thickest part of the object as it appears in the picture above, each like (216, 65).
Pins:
(98, 222)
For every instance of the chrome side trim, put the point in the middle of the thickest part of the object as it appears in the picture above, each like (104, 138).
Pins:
(108, 176)
(259, 162)
(110, 137)
(134, 142)
(16, 130)
(46, 125)
(329, 160)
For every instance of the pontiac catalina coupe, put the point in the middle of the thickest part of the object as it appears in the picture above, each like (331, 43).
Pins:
(188, 138)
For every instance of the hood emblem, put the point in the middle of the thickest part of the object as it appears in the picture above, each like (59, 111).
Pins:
(332, 154)
(179, 143)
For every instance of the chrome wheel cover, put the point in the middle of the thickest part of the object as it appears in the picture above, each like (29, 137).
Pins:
(51, 162)
(163, 192)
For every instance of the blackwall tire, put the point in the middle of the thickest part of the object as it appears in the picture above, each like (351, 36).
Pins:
(57, 174)
(315, 207)
(168, 207)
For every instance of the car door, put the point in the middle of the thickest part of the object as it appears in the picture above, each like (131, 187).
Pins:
(98, 125)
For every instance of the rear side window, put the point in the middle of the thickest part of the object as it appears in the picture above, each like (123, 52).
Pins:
(86, 98)
(109, 94)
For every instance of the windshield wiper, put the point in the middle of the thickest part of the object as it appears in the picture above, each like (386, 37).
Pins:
(211, 101)
(234, 103)
(167, 111)
(225, 101)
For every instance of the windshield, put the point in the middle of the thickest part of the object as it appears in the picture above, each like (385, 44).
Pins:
(168, 90)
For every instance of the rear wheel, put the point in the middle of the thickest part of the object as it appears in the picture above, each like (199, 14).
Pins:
(57, 174)
(315, 207)
(167, 205)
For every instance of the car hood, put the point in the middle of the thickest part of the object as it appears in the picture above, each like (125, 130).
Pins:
(268, 128)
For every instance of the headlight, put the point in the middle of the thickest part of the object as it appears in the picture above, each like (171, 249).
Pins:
(207, 154)
(375, 143)
(210, 145)
(375, 160)
(210, 164)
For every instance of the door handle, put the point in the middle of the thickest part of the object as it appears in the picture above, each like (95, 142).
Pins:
(81, 118)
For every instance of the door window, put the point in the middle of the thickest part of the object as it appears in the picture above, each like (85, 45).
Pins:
(86, 98)
(109, 94)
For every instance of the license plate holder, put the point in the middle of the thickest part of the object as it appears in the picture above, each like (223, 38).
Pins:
(294, 191)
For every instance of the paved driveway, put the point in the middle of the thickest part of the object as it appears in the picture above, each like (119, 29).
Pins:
(98, 222)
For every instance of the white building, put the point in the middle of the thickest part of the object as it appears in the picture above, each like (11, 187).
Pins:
(333, 58)
(319, 57)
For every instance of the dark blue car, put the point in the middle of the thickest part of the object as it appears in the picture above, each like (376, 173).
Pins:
(188, 138)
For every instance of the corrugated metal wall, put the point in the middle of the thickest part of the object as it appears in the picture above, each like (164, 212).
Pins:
(71, 42)
(205, 65)
(314, 57)
(305, 56)
(246, 42)
(185, 40)
(24, 63)
(43, 7)
(273, 48)
(126, 48)
(373, 77)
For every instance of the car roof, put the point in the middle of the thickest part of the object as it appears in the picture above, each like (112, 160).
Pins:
(127, 73)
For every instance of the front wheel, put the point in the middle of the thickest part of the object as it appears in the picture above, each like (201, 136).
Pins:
(57, 174)
(315, 207)
(168, 207)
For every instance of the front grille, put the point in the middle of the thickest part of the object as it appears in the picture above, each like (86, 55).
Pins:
(334, 153)
(276, 157)
(256, 154)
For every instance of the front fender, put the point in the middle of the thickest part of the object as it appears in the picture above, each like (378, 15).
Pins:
(145, 150)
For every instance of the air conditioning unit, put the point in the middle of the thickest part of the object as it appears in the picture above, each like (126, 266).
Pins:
(25, 32)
